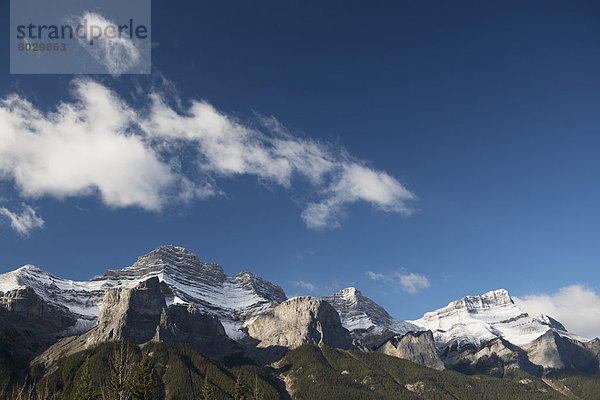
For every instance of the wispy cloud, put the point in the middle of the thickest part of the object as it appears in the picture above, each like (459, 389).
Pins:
(24, 222)
(303, 287)
(376, 276)
(306, 285)
(575, 306)
(152, 155)
(409, 282)
(302, 255)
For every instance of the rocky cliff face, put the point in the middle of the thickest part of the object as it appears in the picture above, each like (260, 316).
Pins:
(298, 321)
(553, 351)
(139, 315)
(418, 347)
(593, 347)
(130, 314)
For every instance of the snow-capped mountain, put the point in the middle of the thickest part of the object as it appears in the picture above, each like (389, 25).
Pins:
(169, 294)
(363, 317)
(232, 299)
(479, 319)
(237, 300)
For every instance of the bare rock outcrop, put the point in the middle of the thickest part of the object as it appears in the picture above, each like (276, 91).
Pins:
(298, 321)
(554, 352)
(418, 347)
(130, 314)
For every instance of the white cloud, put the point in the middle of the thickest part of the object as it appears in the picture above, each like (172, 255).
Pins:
(409, 282)
(150, 156)
(24, 222)
(83, 148)
(576, 307)
(412, 283)
(118, 53)
(355, 183)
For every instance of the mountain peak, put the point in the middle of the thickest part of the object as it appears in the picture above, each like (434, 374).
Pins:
(171, 250)
(260, 286)
(29, 267)
(350, 292)
(168, 255)
(551, 322)
(245, 273)
(23, 276)
(493, 298)
(170, 260)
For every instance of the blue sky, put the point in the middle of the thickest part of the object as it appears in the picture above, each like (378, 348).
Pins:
(463, 137)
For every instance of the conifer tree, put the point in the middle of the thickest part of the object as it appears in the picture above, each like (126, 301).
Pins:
(121, 370)
(85, 387)
(144, 385)
(207, 392)
(240, 390)
(256, 395)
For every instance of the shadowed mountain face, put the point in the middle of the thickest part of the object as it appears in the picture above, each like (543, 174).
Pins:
(496, 357)
(169, 295)
(28, 324)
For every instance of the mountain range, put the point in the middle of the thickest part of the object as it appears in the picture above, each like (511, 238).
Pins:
(170, 296)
